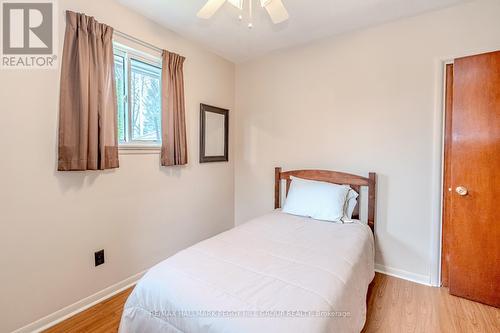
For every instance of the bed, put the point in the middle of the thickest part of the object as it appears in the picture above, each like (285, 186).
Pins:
(276, 273)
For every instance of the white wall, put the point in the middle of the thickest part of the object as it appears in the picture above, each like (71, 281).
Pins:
(365, 101)
(52, 222)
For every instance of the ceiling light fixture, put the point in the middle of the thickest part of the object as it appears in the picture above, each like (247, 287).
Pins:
(274, 8)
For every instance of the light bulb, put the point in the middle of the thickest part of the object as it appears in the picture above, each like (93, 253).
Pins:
(250, 25)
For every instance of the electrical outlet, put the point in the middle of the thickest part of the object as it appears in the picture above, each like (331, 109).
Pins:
(99, 257)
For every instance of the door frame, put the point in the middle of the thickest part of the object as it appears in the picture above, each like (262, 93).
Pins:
(447, 132)
(438, 170)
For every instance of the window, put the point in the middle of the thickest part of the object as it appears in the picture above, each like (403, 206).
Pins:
(138, 89)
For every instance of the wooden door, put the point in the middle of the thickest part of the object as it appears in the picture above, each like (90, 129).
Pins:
(474, 177)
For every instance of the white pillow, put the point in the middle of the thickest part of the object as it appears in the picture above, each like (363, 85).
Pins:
(352, 199)
(319, 200)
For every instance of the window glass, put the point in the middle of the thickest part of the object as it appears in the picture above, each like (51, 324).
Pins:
(145, 101)
(138, 93)
(121, 95)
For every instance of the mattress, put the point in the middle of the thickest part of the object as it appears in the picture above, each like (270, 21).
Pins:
(276, 273)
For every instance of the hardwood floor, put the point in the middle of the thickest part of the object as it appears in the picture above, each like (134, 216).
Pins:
(394, 305)
(101, 318)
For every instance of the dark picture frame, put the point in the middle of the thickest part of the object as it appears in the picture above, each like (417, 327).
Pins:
(204, 158)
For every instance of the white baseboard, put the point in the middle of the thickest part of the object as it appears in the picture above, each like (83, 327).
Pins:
(405, 275)
(71, 310)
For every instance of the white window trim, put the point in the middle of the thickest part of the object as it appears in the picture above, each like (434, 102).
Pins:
(133, 149)
(137, 147)
(143, 56)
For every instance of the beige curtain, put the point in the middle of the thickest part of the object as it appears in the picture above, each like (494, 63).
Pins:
(88, 107)
(174, 146)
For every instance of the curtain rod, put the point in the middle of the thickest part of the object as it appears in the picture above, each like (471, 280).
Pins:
(138, 41)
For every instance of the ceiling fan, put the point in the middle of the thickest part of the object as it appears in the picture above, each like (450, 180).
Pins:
(275, 9)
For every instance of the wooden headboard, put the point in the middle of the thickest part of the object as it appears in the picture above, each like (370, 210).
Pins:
(356, 182)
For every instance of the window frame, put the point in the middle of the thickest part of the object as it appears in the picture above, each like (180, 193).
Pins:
(128, 54)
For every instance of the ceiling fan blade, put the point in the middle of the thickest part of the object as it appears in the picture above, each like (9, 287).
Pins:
(236, 3)
(276, 10)
(210, 8)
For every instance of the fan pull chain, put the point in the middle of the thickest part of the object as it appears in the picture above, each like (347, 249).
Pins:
(240, 17)
(250, 9)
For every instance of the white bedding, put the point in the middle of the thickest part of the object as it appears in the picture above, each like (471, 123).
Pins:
(276, 273)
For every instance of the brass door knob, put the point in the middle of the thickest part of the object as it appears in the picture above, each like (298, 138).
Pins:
(461, 190)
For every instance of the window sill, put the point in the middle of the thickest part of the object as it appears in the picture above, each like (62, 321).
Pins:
(138, 149)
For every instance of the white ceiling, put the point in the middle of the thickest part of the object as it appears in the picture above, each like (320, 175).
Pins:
(309, 19)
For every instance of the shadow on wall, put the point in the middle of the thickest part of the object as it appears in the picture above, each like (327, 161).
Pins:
(75, 180)
(172, 171)
(380, 211)
(382, 227)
